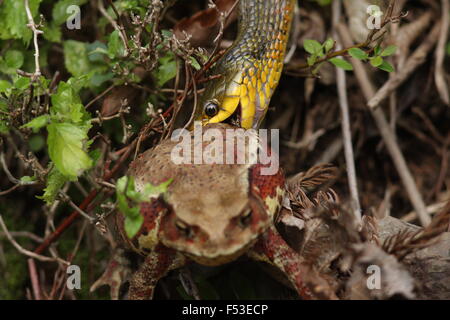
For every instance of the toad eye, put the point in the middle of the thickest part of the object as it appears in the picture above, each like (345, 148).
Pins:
(245, 218)
(183, 228)
(211, 109)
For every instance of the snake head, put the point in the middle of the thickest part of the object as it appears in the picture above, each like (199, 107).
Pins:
(247, 84)
(221, 97)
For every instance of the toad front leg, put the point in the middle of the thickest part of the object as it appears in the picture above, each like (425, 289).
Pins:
(156, 265)
(272, 249)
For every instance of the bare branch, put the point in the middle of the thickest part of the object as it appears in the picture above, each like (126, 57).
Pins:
(346, 129)
(32, 25)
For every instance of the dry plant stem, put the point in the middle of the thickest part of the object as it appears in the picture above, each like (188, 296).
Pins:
(415, 60)
(176, 107)
(439, 74)
(76, 208)
(387, 134)
(294, 34)
(14, 187)
(34, 279)
(36, 32)
(431, 209)
(22, 250)
(24, 234)
(100, 96)
(194, 85)
(120, 29)
(223, 18)
(346, 130)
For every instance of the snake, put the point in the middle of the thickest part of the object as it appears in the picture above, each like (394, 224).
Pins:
(250, 69)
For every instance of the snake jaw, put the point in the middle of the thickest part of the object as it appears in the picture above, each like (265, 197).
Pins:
(230, 100)
(227, 108)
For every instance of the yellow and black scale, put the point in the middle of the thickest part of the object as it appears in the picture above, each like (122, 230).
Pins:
(251, 68)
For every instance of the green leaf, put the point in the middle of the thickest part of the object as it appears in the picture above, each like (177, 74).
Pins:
(66, 104)
(151, 191)
(76, 58)
(22, 83)
(388, 51)
(95, 51)
(77, 83)
(3, 119)
(27, 179)
(166, 33)
(99, 78)
(115, 45)
(377, 50)
(132, 225)
(376, 61)
(358, 54)
(59, 12)
(95, 154)
(195, 63)
(52, 32)
(386, 66)
(5, 86)
(55, 181)
(328, 45)
(13, 19)
(66, 149)
(84, 59)
(37, 123)
(14, 59)
(341, 63)
(312, 46)
(36, 143)
(167, 69)
(311, 60)
(133, 219)
(127, 194)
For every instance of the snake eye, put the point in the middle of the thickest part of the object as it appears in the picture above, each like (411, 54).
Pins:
(183, 228)
(245, 218)
(211, 109)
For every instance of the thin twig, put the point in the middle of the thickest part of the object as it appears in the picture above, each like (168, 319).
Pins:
(388, 136)
(100, 96)
(439, 74)
(32, 25)
(34, 279)
(25, 234)
(120, 29)
(10, 176)
(346, 129)
(414, 61)
(67, 199)
(23, 250)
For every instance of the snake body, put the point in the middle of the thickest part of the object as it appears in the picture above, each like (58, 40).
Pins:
(251, 68)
